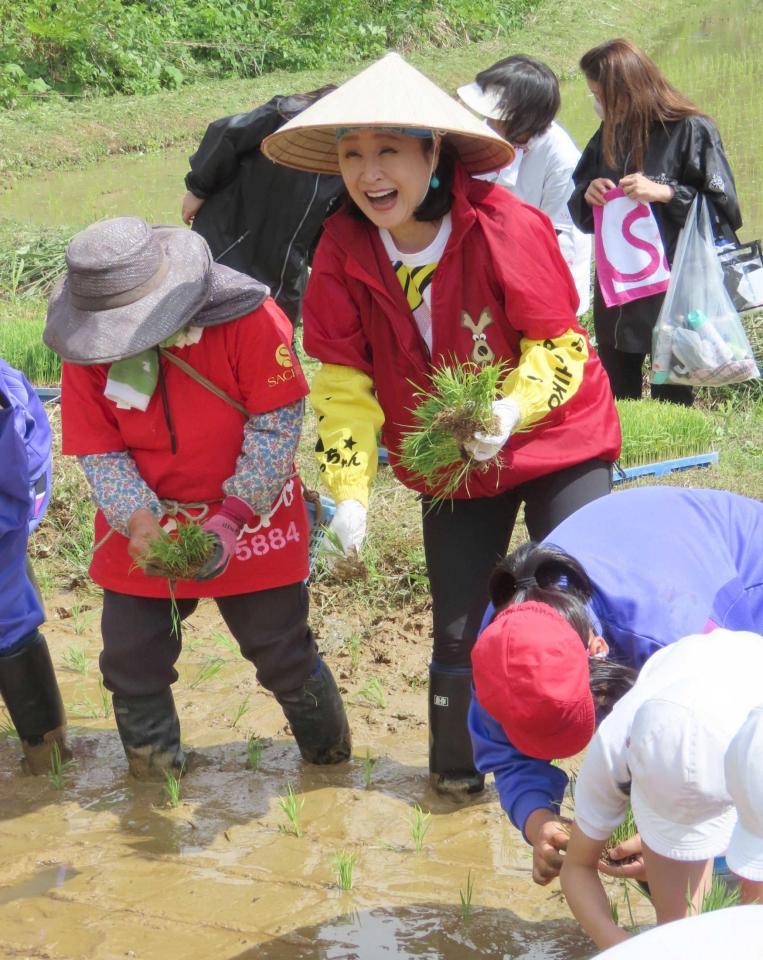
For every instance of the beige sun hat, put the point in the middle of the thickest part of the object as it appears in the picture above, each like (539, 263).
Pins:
(389, 93)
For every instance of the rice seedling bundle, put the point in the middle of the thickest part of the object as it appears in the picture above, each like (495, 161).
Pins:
(458, 405)
(178, 555)
(31, 258)
(654, 431)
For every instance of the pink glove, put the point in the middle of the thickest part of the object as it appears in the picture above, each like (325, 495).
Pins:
(226, 525)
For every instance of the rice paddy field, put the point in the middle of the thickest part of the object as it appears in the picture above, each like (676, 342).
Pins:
(252, 854)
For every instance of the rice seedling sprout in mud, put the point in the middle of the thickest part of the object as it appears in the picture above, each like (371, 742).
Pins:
(419, 824)
(171, 787)
(241, 710)
(291, 805)
(344, 863)
(352, 643)
(80, 618)
(368, 767)
(85, 708)
(59, 768)
(466, 898)
(373, 692)
(178, 555)
(254, 747)
(720, 896)
(208, 670)
(458, 405)
(228, 643)
(75, 659)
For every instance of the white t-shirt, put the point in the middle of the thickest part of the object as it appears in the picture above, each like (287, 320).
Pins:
(415, 272)
(541, 175)
(736, 932)
(725, 668)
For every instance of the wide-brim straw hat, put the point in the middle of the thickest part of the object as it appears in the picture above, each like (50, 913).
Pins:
(389, 93)
(128, 287)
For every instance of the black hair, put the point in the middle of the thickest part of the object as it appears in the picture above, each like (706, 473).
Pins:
(548, 575)
(438, 200)
(609, 682)
(529, 94)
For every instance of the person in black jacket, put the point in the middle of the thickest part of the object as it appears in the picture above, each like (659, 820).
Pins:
(659, 149)
(258, 217)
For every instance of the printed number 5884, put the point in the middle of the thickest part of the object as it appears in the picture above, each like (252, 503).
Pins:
(258, 544)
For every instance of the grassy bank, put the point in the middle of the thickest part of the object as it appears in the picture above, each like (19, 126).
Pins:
(50, 134)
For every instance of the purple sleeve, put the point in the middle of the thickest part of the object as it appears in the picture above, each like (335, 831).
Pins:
(118, 488)
(267, 456)
(524, 784)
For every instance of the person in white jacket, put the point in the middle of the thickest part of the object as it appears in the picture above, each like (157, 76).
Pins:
(519, 98)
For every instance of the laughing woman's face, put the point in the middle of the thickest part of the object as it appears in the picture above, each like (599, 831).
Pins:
(386, 174)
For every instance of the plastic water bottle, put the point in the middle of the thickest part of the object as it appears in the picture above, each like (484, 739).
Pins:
(662, 354)
(696, 320)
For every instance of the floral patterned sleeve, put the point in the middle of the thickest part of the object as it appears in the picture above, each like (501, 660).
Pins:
(267, 456)
(117, 487)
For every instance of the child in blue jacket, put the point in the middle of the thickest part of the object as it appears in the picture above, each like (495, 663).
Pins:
(27, 682)
(622, 577)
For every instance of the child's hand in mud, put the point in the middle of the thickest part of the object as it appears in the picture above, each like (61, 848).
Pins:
(625, 860)
(549, 837)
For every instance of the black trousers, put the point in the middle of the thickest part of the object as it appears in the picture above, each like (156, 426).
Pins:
(140, 645)
(625, 372)
(465, 539)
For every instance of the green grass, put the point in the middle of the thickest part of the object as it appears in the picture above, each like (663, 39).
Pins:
(466, 898)
(419, 823)
(76, 659)
(171, 787)
(458, 405)
(207, 672)
(31, 258)
(720, 896)
(291, 805)
(373, 693)
(654, 431)
(59, 768)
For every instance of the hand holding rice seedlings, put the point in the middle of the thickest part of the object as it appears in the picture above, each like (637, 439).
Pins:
(208, 670)
(172, 786)
(466, 898)
(254, 747)
(241, 710)
(59, 768)
(373, 692)
(291, 805)
(342, 565)
(459, 405)
(178, 555)
(76, 660)
(419, 823)
(620, 834)
(343, 864)
(368, 767)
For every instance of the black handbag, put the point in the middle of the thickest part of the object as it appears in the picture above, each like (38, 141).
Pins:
(743, 274)
(742, 263)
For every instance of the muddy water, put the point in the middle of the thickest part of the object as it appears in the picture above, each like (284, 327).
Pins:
(103, 868)
(714, 58)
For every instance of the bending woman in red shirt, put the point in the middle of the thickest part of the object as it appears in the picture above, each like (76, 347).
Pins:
(182, 398)
(425, 266)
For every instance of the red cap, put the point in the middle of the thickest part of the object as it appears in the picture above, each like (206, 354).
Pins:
(531, 675)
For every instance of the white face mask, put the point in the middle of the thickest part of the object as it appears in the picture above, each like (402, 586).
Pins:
(597, 108)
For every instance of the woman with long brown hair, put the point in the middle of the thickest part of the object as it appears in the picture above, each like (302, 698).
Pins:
(660, 149)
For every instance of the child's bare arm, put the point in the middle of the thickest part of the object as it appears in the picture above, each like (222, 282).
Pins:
(584, 891)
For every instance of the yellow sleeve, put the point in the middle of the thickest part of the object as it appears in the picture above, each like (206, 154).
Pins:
(349, 418)
(549, 372)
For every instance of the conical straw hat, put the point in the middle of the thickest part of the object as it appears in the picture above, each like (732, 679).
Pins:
(389, 93)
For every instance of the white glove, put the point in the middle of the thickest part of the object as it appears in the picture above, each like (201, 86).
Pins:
(349, 524)
(485, 446)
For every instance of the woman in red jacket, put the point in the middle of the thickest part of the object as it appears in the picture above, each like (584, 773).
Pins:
(425, 266)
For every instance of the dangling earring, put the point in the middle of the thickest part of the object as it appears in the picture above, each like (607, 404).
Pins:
(434, 183)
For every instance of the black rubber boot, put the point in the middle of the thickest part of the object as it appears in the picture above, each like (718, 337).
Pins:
(29, 688)
(451, 761)
(150, 733)
(317, 719)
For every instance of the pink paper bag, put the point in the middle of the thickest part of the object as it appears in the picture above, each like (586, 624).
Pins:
(630, 256)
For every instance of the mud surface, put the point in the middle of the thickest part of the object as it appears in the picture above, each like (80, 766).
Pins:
(103, 868)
